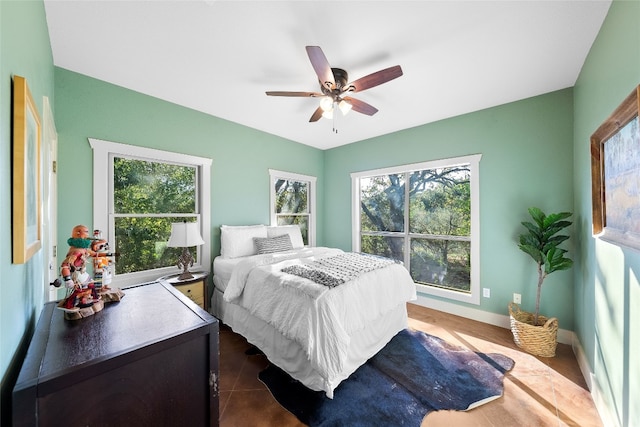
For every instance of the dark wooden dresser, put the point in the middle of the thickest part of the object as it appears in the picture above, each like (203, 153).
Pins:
(149, 360)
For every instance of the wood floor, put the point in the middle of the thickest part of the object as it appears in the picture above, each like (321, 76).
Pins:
(538, 391)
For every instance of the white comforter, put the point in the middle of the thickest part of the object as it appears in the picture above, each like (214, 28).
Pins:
(320, 319)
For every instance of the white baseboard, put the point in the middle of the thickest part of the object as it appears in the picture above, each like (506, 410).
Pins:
(564, 337)
(583, 363)
(606, 415)
(502, 320)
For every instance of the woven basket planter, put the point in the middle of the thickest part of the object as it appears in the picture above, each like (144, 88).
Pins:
(537, 340)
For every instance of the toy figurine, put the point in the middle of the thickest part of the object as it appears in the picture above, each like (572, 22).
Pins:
(86, 295)
(101, 261)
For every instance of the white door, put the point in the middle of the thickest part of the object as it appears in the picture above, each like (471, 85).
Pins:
(50, 201)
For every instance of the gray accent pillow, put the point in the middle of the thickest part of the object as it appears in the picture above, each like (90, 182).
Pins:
(267, 245)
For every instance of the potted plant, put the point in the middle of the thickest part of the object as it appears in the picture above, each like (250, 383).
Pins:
(534, 332)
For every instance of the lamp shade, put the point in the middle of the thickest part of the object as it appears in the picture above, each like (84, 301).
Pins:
(184, 235)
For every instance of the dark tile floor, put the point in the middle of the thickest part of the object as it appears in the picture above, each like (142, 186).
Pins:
(538, 391)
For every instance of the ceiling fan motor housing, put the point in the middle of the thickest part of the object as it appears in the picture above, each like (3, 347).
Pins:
(341, 78)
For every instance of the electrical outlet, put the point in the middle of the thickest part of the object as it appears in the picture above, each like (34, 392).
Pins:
(517, 298)
(486, 292)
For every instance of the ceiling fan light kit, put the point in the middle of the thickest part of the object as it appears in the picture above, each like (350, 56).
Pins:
(335, 88)
(326, 103)
(345, 107)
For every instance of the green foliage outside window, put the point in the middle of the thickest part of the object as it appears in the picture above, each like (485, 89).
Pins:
(292, 205)
(439, 223)
(382, 202)
(148, 197)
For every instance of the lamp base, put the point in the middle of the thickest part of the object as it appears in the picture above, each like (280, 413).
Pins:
(185, 260)
(185, 275)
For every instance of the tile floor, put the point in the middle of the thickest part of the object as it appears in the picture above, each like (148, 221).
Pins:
(538, 391)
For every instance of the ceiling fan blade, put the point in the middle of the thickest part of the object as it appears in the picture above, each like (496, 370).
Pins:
(376, 78)
(316, 115)
(321, 66)
(361, 106)
(302, 94)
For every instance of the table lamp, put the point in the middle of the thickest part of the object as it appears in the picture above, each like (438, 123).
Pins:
(185, 235)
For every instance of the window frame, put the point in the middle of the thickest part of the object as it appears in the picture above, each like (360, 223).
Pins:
(311, 200)
(103, 207)
(473, 297)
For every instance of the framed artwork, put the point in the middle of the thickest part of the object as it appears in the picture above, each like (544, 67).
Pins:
(615, 175)
(27, 200)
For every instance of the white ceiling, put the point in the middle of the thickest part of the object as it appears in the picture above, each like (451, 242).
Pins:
(219, 57)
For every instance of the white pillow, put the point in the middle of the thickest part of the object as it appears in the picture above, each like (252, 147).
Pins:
(292, 230)
(237, 240)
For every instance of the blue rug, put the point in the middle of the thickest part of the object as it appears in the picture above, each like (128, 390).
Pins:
(414, 374)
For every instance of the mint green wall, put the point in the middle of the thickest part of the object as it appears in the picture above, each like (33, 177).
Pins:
(24, 51)
(526, 161)
(90, 108)
(607, 288)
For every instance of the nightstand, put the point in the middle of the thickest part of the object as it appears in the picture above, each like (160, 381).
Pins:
(196, 288)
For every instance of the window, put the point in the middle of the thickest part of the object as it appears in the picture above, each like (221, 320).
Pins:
(146, 190)
(293, 200)
(426, 215)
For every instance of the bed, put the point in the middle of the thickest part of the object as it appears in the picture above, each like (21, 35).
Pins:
(317, 313)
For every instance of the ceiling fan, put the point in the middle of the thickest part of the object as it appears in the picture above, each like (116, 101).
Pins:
(335, 88)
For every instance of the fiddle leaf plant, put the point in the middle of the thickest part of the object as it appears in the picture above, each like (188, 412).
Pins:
(541, 242)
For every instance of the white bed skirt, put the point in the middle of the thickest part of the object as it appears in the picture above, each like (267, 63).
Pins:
(290, 357)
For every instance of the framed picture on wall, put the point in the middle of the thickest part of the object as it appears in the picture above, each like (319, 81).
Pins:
(615, 175)
(27, 200)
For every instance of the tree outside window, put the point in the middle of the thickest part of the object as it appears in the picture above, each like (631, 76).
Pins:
(138, 193)
(293, 202)
(422, 215)
(148, 196)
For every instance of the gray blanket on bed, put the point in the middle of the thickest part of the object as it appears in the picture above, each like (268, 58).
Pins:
(336, 270)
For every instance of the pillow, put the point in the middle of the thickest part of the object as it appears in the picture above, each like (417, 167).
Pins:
(267, 245)
(292, 230)
(237, 240)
